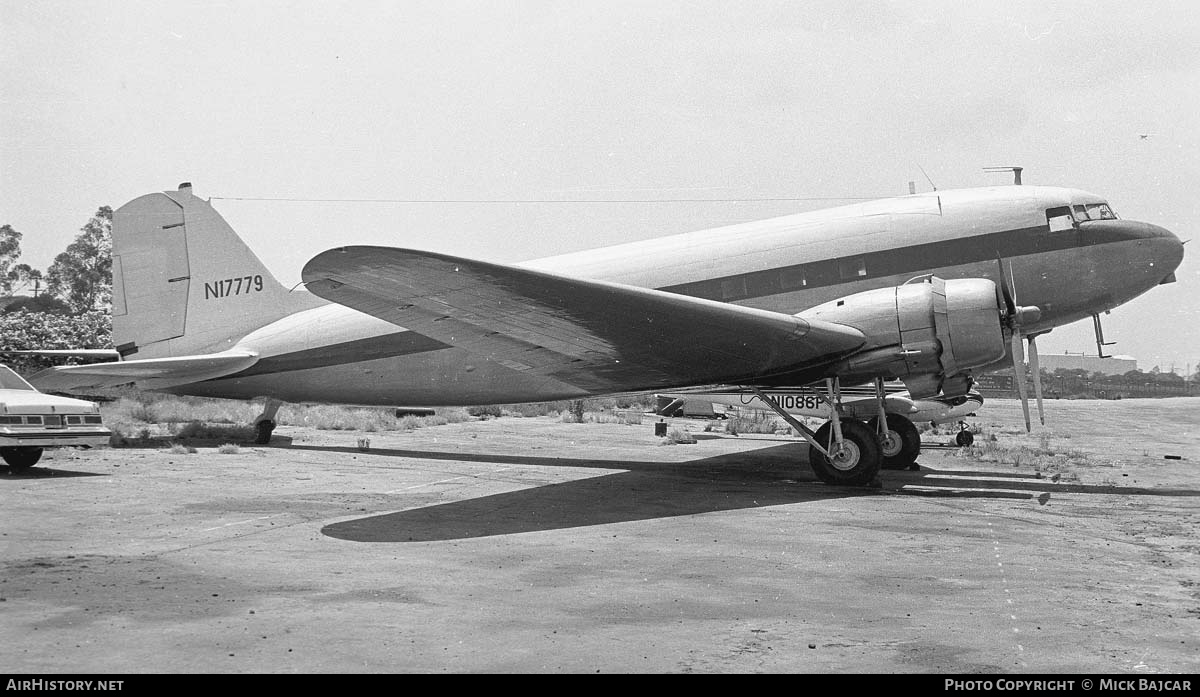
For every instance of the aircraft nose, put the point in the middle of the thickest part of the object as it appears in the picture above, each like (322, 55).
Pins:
(1168, 249)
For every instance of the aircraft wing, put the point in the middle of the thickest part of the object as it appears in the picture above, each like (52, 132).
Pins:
(149, 373)
(598, 336)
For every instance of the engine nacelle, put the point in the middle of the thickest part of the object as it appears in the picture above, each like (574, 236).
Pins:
(926, 333)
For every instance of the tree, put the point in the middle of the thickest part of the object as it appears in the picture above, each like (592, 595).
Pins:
(24, 277)
(82, 275)
(39, 331)
(10, 249)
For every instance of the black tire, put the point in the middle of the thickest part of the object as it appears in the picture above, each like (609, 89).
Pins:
(964, 438)
(905, 442)
(21, 459)
(263, 430)
(859, 463)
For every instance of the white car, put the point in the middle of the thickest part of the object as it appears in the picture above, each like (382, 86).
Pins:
(31, 421)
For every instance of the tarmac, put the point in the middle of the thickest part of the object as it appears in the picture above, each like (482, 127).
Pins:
(534, 546)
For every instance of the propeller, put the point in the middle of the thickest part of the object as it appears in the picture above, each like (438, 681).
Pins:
(1037, 377)
(1016, 318)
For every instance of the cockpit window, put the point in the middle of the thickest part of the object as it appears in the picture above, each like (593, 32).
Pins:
(1100, 211)
(1059, 218)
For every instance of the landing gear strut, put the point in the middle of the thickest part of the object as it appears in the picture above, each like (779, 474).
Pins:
(264, 424)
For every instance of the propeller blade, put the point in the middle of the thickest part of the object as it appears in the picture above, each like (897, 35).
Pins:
(1006, 290)
(1018, 359)
(1037, 378)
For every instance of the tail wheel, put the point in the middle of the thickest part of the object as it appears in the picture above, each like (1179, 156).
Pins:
(901, 443)
(264, 430)
(20, 459)
(855, 463)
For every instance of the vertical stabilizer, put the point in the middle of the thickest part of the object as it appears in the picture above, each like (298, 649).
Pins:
(184, 283)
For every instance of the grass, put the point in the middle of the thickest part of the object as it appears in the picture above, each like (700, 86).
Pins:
(1047, 458)
(678, 436)
(754, 422)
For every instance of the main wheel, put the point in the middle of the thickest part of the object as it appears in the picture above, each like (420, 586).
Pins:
(901, 443)
(264, 430)
(20, 459)
(854, 464)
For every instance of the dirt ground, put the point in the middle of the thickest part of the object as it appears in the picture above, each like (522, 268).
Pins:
(530, 545)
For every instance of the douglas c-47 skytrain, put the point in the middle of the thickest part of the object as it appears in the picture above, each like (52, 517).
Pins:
(930, 289)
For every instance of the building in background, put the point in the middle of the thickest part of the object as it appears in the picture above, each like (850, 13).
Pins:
(1114, 365)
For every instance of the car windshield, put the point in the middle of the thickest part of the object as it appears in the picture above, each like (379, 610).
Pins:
(11, 381)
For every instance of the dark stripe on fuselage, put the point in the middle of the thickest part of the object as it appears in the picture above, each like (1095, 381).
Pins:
(914, 259)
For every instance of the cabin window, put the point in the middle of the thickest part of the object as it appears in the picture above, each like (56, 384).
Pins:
(794, 277)
(1080, 213)
(733, 288)
(853, 267)
(1059, 219)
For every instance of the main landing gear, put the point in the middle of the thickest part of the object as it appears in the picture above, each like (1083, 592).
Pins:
(899, 440)
(843, 451)
(848, 452)
(854, 461)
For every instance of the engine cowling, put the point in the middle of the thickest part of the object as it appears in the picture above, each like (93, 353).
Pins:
(927, 333)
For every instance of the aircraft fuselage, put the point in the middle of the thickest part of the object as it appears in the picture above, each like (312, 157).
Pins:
(1069, 266)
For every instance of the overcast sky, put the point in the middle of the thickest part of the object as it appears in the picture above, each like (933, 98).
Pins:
(626, 102)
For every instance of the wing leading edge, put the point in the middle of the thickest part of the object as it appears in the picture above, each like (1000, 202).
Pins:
(601, 337)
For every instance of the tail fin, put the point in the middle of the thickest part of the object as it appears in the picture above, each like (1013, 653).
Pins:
(184, 283)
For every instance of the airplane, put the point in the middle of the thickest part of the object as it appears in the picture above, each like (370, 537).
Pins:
(900, 442)
(929, 288)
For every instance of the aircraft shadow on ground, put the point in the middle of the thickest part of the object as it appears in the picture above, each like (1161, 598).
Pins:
(648, 490)
(6, 474)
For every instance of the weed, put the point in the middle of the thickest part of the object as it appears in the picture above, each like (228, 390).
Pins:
(228, 449)
(677, 436)
(201, 431)
(179, 449)
(485, 412)
(756, 422)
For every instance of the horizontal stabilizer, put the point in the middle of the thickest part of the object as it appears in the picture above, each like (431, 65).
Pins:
(150, 373)
(87, 353)
(598, 336)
